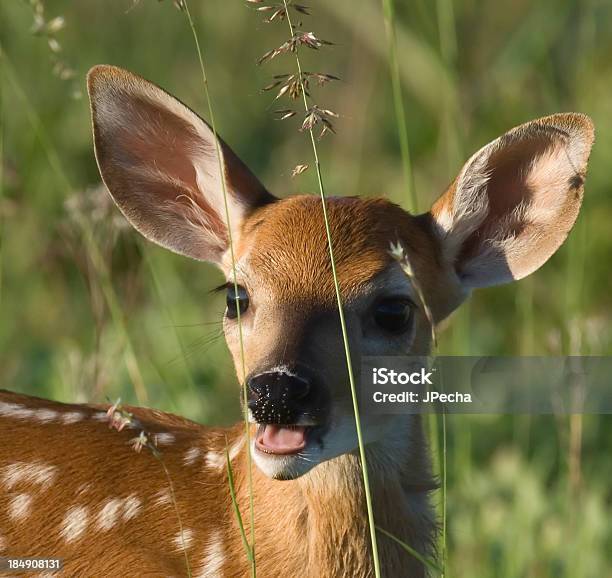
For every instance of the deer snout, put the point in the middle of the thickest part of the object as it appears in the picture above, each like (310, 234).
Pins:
(281, 396)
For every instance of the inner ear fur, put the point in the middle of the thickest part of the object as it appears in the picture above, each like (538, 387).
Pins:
(159, 161)
(516, 200)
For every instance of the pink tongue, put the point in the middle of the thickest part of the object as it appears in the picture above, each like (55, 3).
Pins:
(282, 440)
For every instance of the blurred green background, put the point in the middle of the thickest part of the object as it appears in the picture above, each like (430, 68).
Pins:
(89, 311)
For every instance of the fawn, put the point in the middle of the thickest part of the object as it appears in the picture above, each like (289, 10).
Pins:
(84, 495)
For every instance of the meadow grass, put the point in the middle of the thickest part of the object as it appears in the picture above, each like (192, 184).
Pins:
(1, 163)
(250, 547)
(347, 352)
(98, 263)
(398, 104)
(448, 49)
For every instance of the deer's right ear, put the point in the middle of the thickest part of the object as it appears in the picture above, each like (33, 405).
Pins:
(159, 161)
(515, 201)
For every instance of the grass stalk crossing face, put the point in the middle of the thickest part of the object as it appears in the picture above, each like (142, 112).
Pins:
(250, 549)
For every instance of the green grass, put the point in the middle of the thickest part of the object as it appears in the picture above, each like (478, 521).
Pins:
(468, 72)
(250, 548)
(339, 301)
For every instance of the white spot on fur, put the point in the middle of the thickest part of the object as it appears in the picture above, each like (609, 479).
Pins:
(215, 459)
(183, 540)
(19, 506)
(164, 438)
(214, 557)
(45, 415)
(33, 473)
(191, 455)
(70, 417)
(109, 514)
(162, 497)
(100, 416)
(131, 507)
(18, 411)
(75, 523)
(235, 449)
(15, 411)
(218, 460)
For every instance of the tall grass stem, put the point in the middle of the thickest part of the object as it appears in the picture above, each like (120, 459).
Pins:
(235, 283)
(1, 170)
(415, 553)
(176, 510)
(398, 103)
(232, 488)
(448, 49)
(362, 453)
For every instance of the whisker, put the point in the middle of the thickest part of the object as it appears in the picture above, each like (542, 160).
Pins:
(199, 345)
(202, 324)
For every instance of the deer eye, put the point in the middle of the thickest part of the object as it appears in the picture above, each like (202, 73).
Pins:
(394, 314)
(235, 301)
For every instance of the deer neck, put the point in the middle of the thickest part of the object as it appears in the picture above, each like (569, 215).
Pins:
(325, 511)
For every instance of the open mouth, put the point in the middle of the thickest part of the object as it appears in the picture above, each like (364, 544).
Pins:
(282, 440)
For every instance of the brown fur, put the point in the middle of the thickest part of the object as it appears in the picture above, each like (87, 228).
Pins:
(291, 245)
(321, 531)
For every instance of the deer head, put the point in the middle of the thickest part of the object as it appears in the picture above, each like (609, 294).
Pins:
(510, 208)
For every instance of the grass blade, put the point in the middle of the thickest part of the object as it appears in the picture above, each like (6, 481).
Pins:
(232, 489)
(422, 559)
(347, 352)
(235, 282)
(1, 166)
(176, 510)
(398, 103)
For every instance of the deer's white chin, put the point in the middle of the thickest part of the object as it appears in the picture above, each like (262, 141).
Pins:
(321, 444)
(286, 466)
(339, 438)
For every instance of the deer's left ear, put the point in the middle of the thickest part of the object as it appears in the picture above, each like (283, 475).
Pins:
(172, 177)
(515, 201)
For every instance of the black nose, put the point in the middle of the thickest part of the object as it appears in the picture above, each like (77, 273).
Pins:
(276, 396)
(278, 385)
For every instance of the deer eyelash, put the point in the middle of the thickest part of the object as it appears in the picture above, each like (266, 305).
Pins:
(223, 287)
